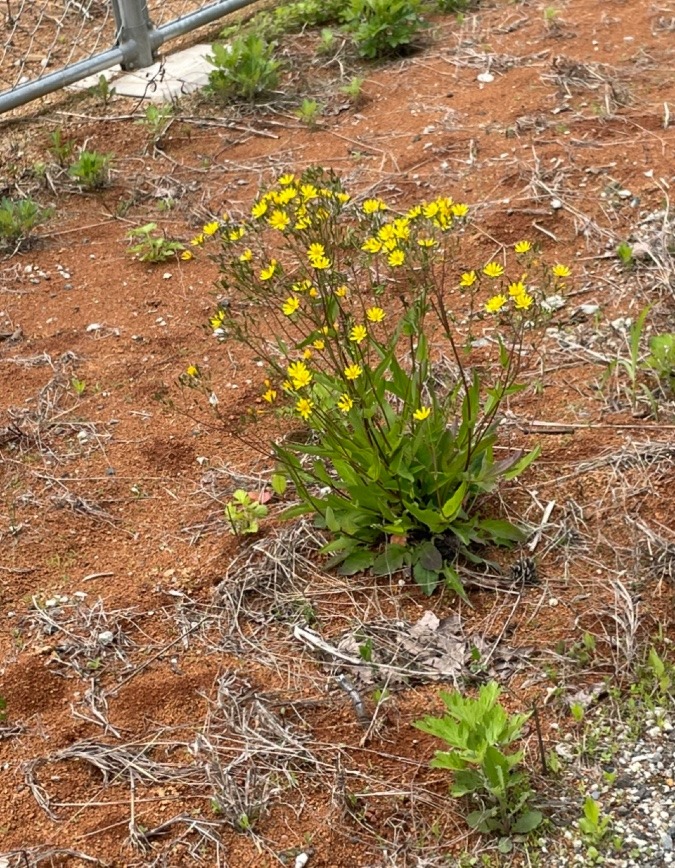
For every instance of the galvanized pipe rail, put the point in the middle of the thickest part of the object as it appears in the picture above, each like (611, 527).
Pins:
(137, 44)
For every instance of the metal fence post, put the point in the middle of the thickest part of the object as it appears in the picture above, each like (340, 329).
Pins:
(134, 27)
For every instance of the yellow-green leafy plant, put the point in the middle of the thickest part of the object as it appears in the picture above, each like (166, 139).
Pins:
(478, 733)
(151, 245)
(368, 327)
(244, 69)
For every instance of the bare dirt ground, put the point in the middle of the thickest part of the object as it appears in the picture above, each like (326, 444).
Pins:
(164, 706)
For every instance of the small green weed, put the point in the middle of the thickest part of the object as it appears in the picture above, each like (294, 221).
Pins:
(3, 709)
(477, 731)
(244, 513)
(156, 120)
(18, 218)
(152, 246)
(91, 170)
(327, 43)
(290, 18)
(245, 69)
(62, 149)
(661, 360)
(625, 253)
(102, 90)
(593, 825)
(353, 90)
(308, 112)
(78, 386)
(383, 28)
(454, 7)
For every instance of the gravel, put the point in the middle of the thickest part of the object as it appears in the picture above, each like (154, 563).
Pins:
(637, 793)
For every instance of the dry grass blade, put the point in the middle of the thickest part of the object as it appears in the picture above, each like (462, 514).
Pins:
(32, 857)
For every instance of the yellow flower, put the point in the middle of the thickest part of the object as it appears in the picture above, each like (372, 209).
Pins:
(493, 269)
(300, 376)
(305, 407)
(287, 179)
(287, 386)
(426, 242)
(307, 354)
(414, 212)
(358, 333)
(468, 278)
(353, 372)
(309, 191)
(371, 245)
(287, 195)
(375, 314)
(345, 403)
(523, 301)
(259, 209)
(343, 198)
(291, 304)
(197, 240)
(236, 234)
(516, 289)
(315, 250)
(246, 255)
(217, 320)
(313, 293)
(430, 210)
(341, 291)
(268, 271)
(303, 286)
(320, 262)
(496, 303)
(396, 258)
(210, 228)
(372, 206)
(319, 344)
(187, 255)
(279, 220)
(560, 271)
(192, 371)
(522, 247)
(459, 209)
(422, 414)
(269, 396)
(401, 228)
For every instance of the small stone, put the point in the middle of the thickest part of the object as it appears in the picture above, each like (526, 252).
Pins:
(105, 637)
(589, 309)
(167, 275)
(301, 860)
(485, 78)
(624, 194)
(556, 204)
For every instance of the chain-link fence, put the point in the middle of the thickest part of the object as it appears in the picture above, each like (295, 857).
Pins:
(50, 44)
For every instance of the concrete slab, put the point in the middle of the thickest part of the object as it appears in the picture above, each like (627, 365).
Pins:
(175, 75)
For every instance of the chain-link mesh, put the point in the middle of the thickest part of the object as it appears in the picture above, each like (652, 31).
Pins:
(39, 37)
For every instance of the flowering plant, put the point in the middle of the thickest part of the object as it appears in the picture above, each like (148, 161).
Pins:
(347, 304)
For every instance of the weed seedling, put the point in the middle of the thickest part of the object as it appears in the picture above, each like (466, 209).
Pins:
(91, 170)
(478, 731)
(102, 90)
(308, 112)
(625, 253)
(78, 386)
(383, 28)
(152, 246)
(156, 120)
(18, 218)
(61, 148)
(244, 513)
(353, 90)
(245, 69)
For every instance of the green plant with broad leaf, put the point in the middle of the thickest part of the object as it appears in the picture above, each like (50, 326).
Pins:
(594, 825)
(150, 245)
(245, 68)
(382, 28)
(399, 451)
(479, 732)
(243, 513)
(18, 219)
(661, 360)
(91, 170)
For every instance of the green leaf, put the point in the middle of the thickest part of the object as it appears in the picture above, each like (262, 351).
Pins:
(527, 822)
(278, 482)
(466, 781)
(501, 530)
(592, 811)
(523, 464)
(356, 562)
(453, 504)
(391, 560)
(427, 579)
(428, 556)
(505, 845)
(454, 582)
(332, 523)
